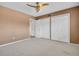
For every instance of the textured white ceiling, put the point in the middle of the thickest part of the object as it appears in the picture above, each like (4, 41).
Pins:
(53, 6)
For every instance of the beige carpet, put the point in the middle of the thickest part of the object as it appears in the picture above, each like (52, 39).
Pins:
(39, 47)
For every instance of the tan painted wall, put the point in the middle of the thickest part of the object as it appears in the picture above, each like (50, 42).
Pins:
(13, 25)
(75, 25)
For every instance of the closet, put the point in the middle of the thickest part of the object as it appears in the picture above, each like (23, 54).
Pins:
(60, 27)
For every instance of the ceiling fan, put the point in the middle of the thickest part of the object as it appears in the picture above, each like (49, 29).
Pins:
(38, 6)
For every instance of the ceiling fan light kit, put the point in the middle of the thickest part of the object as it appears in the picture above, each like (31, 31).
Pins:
(38, 6)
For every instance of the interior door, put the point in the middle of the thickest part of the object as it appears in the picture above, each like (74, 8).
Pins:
(42, 28)
(60, 27)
